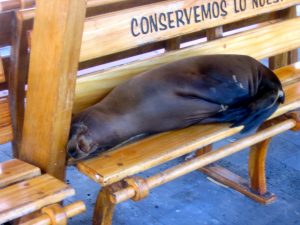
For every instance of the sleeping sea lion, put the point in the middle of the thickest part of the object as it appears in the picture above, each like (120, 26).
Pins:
(203, 89)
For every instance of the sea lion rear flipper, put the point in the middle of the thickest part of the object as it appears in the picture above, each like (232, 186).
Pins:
(260, 109)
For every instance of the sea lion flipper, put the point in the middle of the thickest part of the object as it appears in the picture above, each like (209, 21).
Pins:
(263, 107)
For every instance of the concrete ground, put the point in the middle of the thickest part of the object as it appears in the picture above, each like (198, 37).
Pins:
(194, 200)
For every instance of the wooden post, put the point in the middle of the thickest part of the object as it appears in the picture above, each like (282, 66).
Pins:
(53, 65)
(286, 58)
(173, 44)
(214, 33)
(257, 164)
(18, 76)
(2, 75)
(105, 208)
(257, 159)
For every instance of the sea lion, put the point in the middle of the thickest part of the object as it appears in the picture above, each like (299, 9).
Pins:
(203, 89)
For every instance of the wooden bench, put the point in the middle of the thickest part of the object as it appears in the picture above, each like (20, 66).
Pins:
(269, 31)
(25, 190)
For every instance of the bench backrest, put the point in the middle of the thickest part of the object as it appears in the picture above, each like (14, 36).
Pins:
(175, 23)
(266, 29)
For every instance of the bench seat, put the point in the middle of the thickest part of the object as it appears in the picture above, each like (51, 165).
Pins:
(30, 195)
(15, 170)
(113, 166)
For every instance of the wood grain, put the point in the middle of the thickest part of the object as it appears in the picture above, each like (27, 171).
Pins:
(15, 4)
(15, 170)
(257, 163)
(31, 195)
(22, 4)
(114, 165)
(18, 76)
(104, 208)
(214, 33)
(203, 160)
(51, 86)
(258, 43)
(147, 153)
(2, 76)
(5, 31)
(285, 58)
(223, 176)
(173, 44)
(159, 45)
(110, 33)
(71, 210)
(288, 74)
(6, 134)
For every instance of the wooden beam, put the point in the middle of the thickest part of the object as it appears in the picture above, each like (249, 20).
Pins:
(14, 170)
(119, 31)
(15, 4)
(31, 195)
(289, 57)
(47, 217)
(52, 75)
(164, 44)
(18, 76)
(22, 4)
(173, 44)
(214, 33)
(161, 44)
(2, 76)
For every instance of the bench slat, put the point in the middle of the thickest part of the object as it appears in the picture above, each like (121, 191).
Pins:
(258, 43)
(114, 165)
(31, 195)
(2, 77)
(130, 159)
(111, 33)
(289, 74)
(15, 170)
(6, 133)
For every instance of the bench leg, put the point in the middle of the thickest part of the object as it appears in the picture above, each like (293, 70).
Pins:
(256, 187)
(256, 167)
(104, 208)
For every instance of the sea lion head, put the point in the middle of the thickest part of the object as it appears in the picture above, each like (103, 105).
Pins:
(89, 135)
